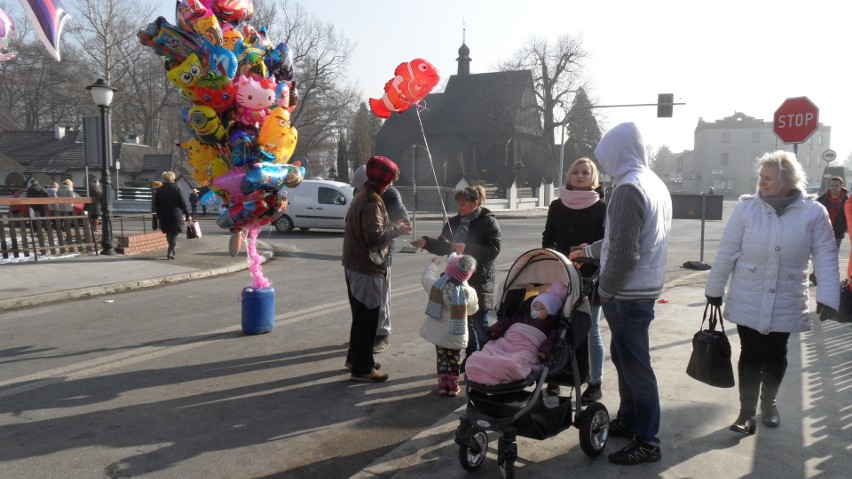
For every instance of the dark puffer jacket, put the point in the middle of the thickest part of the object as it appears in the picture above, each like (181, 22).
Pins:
(170, 208)
(483, 243)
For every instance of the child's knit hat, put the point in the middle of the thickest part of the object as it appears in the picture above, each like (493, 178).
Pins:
(554, 297)
(550, 302)
(460, 267)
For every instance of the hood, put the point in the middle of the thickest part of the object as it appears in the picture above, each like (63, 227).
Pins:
(621, 150)
(359, 177)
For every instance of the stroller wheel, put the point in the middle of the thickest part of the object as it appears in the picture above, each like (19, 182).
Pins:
(472, 455)
(593, 423)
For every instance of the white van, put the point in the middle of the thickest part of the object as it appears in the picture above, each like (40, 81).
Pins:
(315, 204)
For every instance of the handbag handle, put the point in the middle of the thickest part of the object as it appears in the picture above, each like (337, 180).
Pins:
(715, 316)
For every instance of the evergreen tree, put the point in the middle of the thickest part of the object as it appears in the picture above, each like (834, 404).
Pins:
(584, 133)
(342, 160)
(362, 136)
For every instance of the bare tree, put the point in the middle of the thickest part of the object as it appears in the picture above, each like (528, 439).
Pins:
(321, 56)
(557, 73)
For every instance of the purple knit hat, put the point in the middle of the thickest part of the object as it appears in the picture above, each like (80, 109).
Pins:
(460, 267)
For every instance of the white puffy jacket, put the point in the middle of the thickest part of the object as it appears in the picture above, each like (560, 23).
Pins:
(766, 257)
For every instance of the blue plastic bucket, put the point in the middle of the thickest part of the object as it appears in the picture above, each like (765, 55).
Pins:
(258, 310)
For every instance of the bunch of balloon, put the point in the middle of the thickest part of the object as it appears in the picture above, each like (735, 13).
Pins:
(240, 93)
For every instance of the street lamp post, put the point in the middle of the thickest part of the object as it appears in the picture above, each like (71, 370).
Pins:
(102, 95)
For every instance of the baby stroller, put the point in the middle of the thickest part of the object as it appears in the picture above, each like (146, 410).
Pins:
(522, 407)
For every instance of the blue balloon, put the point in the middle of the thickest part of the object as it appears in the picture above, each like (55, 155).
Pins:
(210, 199)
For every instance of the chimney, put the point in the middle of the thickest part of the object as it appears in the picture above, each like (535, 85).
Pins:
(59, 132)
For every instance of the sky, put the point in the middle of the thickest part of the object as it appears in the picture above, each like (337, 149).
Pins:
(718, 57)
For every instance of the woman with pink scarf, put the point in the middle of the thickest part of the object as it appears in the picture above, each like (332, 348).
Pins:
(576, 219)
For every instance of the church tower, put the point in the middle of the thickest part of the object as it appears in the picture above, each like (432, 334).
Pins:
(464, 56)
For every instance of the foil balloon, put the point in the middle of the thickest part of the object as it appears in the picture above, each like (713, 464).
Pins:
(243, 142)
(205, 121)
(210, 199)
(266, 176)
(7, 34)
(194, 16)
(234, 11)
(411, 83)
(170, 42)
(279, 62)
(221, 60)
(200, 157)
(229, 183)
(232, 37)
(48, 17)
(254, 97)
(215, 91)
(240, 215)
(277, 136)
(186, 75)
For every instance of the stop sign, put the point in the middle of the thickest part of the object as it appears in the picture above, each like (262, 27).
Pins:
(796, 120)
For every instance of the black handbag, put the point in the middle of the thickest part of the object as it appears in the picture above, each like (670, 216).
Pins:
(710, 362)
(844, 311)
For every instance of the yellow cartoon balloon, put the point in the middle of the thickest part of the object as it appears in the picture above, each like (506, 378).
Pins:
(186, 75)
(200, 157)
(205, 121)
(277, 135)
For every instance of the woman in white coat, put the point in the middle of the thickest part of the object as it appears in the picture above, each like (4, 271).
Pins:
(765, 249)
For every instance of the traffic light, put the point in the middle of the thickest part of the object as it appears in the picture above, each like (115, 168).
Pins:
(665, 105)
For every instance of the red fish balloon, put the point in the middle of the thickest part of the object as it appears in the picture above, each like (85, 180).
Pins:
(412, 82)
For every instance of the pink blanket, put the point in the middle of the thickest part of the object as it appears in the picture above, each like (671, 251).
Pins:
(510, 358)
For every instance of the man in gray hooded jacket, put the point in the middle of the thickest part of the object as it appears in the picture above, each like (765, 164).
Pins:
(633, 265)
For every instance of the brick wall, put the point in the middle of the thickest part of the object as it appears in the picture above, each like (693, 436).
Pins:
(140, 243)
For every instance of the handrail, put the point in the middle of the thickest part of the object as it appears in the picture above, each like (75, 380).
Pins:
(46, 201)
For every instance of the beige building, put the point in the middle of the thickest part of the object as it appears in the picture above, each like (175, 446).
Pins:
(725, 153)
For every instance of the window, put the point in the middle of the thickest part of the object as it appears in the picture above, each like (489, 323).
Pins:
(726, 137)
(755, 137)
(725, 159)
(330, 196)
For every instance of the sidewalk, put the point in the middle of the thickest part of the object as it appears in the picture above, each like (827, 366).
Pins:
(813, 440)
(47, 280)
(72, 277)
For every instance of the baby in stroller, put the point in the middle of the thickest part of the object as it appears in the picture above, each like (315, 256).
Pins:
(522, 340)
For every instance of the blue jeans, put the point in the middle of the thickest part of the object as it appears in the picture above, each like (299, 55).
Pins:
(596, 348)
(639, 410)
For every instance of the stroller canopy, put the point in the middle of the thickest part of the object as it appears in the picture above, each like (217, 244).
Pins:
(544, 265)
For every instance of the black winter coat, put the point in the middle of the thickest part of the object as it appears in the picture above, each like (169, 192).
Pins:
(170, 208)
(566, 228)
(483, 243)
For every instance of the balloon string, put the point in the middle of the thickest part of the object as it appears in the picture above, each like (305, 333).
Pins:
(434, 174)
(254, 259)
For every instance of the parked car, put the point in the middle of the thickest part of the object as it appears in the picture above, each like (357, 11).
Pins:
(315, 204)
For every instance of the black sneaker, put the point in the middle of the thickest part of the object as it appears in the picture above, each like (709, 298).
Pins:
(617, 429)
(591, 394)
(636, 453)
